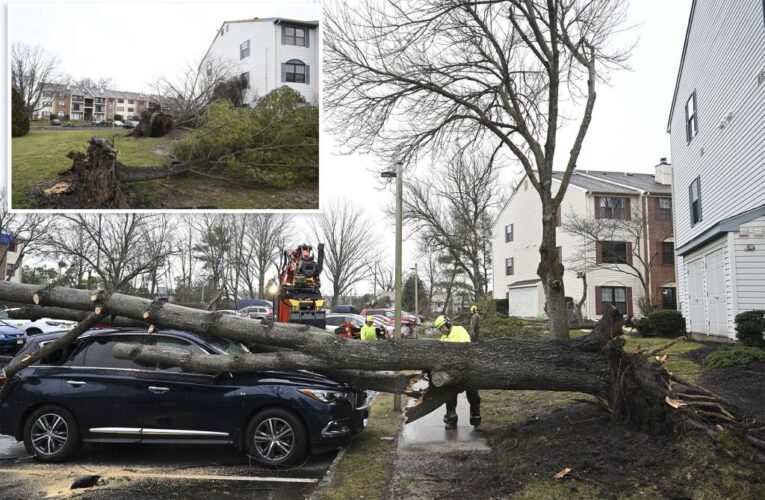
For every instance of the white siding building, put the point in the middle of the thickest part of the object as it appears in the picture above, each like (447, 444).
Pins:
(717, 127)
(269, 53)
(517, 235)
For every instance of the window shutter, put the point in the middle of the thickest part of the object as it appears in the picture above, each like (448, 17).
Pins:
(690, 203)
(307, 74)
(597, 207)
(598, 301)
(284, 36)
(629, 253)
(284, 72)
(698, 188)
(696, 114)
(598, 253)
(627, 211)
(629, 301)
(307, 37)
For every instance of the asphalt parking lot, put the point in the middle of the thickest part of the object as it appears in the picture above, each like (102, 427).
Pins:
(155, 471)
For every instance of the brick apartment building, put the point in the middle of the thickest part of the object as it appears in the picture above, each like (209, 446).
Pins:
(83, 103)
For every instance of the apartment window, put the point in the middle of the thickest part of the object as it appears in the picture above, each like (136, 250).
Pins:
(665, 208)
(509, 270)
(667, 252)
(616, 295)
(612, 207)
(100, 100)
(120, 108)
(131, 101)
(508, 233)
(691, 119)
(209, 69)
(10, 270)
(614, 252)
(295, 71)
(694, 195)
(120, 101)
(76, 107)
(78, 98)
(60, 103)
(130, 110)
(292, 35)
(244, 49)
(669, 297)
(12, 247)
(245, 80)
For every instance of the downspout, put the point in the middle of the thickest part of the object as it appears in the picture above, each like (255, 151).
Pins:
(647, 245)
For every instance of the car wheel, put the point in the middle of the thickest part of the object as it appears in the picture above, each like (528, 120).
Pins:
(51, 434)
(276, 437)
(34, 331)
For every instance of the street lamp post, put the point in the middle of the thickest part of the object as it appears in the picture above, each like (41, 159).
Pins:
(399, 210)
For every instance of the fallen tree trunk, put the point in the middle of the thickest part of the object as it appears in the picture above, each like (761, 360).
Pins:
(34, 313)
(634, 387)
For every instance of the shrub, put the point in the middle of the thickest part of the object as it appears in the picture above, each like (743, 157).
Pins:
(643, 326)
(667, 323)
(498, 327)
(750, 327)
(731, 356)
(19, 120)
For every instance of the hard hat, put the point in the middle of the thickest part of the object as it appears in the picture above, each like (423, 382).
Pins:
(370, 319)
(473, 308)
(440, 321)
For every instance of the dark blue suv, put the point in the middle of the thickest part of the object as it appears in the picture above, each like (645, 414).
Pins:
(84, 394)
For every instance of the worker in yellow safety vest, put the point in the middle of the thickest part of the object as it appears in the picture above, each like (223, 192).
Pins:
(451, 333)
(368, 331)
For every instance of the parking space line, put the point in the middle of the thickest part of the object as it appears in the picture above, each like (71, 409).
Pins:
(150, 475)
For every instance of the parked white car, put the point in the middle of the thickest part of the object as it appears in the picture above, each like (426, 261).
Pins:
(42, 325)
(118, 123)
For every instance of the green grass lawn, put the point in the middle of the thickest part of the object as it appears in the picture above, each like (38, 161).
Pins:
(41, 155)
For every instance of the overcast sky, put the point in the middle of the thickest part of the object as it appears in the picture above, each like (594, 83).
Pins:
(135, 42)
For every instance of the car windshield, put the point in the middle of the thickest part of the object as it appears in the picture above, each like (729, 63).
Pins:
(229, 347)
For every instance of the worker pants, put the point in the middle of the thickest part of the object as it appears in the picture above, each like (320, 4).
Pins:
(475, 408)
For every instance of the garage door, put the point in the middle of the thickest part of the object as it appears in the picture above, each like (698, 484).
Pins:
(696, 310)
(716, 304)
(523, 302)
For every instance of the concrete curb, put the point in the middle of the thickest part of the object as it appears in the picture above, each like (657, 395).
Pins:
(324, 483)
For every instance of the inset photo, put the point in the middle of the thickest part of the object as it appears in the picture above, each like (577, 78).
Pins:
(164, 106)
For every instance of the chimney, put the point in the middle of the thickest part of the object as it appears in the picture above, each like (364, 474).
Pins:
(663, 172)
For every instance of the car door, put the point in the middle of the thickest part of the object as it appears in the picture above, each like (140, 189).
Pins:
(188, 406)
(103, 392)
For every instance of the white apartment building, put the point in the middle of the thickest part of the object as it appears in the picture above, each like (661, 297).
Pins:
(267, 54)
(717, 130)
(517, 235)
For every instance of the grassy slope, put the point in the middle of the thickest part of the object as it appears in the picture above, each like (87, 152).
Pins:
(41, 155)
(366, 469)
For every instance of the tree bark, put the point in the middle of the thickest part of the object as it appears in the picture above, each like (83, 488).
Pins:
(550, 271)
(632, 385)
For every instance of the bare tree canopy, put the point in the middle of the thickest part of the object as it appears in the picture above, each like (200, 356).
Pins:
(186, 95)
(349, 249)
(32, 70)
(406, 78)
(597, 250)
(450, 210)
(28, 232)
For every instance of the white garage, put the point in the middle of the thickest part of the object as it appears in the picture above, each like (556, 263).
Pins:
(523, 298)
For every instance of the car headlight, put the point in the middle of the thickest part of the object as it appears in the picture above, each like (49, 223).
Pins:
(324, 396)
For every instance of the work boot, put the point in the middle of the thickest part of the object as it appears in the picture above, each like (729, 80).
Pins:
(478, 428)
(450, 426)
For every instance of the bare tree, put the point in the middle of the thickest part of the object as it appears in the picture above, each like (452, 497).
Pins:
(603, 241)
(382, 274)
(188, 94)
(32, 70)
(213, 250)
(27, 232)
(267, 237)
(405, 78)
(452, 209)
(118, 248)
(94, 83)
(348, 250)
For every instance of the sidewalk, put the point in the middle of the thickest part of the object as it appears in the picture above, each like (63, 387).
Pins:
(432, 462)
